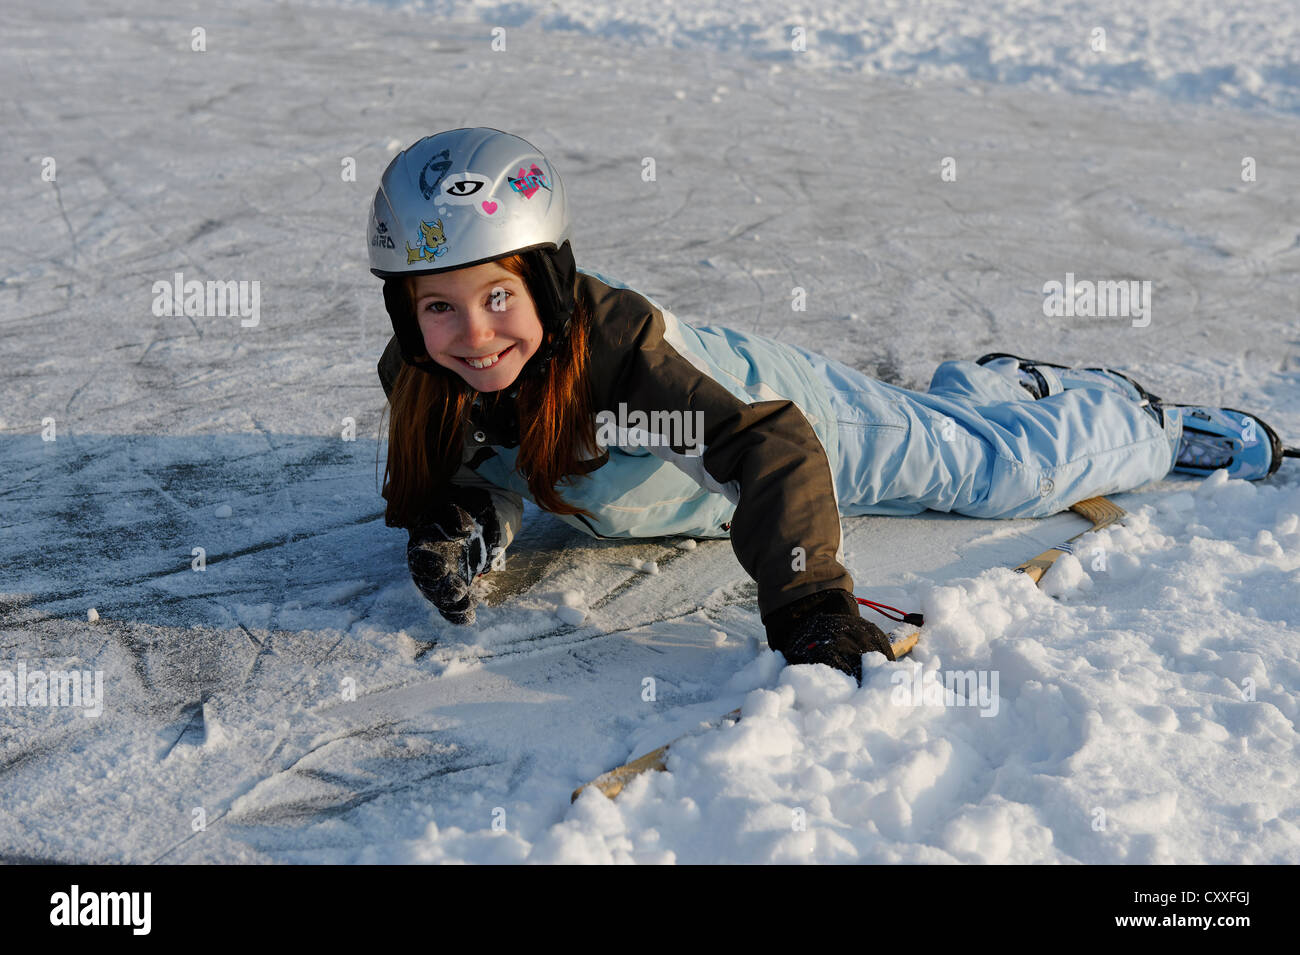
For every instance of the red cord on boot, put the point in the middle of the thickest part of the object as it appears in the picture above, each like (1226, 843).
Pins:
(912, 618)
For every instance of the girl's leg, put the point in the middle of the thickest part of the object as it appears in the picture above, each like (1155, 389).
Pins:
(979, 444)
(1047, 380)
(978, 384)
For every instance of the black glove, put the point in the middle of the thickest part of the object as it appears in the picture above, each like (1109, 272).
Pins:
(451, 546)
(826, 627)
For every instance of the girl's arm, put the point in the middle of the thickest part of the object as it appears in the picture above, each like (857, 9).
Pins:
(480, 496)
(763, 455)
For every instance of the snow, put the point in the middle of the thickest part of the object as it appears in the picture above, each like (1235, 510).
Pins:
(571, 615)
(1104, 716)
(1139, 708)
(1190, 50)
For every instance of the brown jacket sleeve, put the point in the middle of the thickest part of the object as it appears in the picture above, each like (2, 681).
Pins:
(765, 455)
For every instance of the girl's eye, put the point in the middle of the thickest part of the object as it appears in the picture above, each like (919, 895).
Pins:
(499, 296)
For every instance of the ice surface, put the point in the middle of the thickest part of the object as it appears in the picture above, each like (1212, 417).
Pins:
(276, 669)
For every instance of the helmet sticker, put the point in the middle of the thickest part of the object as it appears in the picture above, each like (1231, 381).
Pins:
(529, 181)
(381, 239)
(432, 173)
(464, 188)
(471, 189)
(432, 243)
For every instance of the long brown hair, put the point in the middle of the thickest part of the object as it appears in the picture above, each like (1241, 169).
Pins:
(429, 409)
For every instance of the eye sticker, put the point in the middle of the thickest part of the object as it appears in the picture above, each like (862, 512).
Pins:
(474, 190)
(463, 188)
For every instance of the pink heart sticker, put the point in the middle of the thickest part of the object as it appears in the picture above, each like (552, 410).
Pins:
(489, 207)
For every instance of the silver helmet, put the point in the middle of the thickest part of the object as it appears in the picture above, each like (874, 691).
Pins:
(462, 197)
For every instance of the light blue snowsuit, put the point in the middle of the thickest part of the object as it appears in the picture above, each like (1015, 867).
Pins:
(788, 430)
(977, 443)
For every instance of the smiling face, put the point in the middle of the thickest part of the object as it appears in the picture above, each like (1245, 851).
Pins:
(480, 322)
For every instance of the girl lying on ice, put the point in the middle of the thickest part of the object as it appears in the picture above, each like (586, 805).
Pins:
(514, 374)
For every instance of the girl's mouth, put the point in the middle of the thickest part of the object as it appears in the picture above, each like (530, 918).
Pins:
(485, 361)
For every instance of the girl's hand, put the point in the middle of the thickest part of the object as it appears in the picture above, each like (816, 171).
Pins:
(444, 556)
(838, 642)
(826, 627)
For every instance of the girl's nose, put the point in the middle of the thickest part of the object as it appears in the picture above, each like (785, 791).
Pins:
(478, 327)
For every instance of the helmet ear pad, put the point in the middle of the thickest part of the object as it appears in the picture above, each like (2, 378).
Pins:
(552, 290)
(557, 272)
(401, 312)
(539, 280)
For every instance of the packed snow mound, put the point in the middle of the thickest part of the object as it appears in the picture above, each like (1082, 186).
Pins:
(1150, 722)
